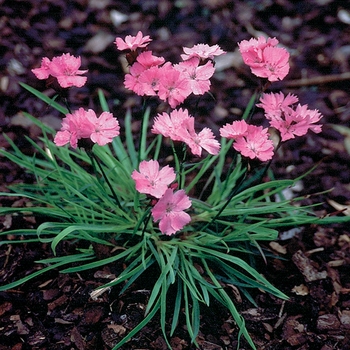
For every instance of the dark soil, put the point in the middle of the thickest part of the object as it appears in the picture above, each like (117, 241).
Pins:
(56, 311)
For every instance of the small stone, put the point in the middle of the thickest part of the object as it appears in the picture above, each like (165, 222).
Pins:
(327, 322)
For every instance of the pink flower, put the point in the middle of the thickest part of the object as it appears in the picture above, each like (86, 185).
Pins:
(274, 104)
(151, 180)
(205, 139)
(169, 210)
(236, 129)
(173, 87)
(250, 140)
(197, 75)
(144, 68)
(106, 127)
(297, 122)
(264, 58)
(132, 42)
(288, 120)
(65, 68)
(169, 125)
(74, 127)
(43, 71)
(202, 51)
(147, 60)
(85, 124)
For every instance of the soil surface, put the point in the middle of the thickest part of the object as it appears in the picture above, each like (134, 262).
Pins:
(56, 311)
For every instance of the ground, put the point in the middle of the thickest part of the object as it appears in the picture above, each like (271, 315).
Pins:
(55, 311)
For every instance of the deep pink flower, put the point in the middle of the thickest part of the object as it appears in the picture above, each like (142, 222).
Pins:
(65, 68)
(274, 104)
(169, 210)
(85, 124)
(250, 140)
(203, 51)
(132, 42)
(264, 58)
(197, 75)
(173, 86)
(152, 180)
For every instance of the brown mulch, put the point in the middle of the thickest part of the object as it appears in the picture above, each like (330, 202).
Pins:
(55, 311)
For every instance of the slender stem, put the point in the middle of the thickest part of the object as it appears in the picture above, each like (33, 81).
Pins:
(141, 131)
(95, 160)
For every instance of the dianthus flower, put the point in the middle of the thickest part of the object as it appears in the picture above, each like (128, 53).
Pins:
(250, 140)
(297, 122)
(174, 87)
(168, 125)
(132, 42)
(205, 139)
(169, 210)
(144, 62)
(264, 58)
(85, 124)
(64, 68)
(203, 51)
(274, 104)
(198, 75)
(152, 180)
(106, 127)
(288, 120)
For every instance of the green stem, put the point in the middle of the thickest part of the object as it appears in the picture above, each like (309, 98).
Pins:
(94, 160)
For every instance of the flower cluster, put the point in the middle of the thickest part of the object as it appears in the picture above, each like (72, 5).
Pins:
(150, 75)
(264, 58)
(289, 121)
(65, 68)
(85, 124)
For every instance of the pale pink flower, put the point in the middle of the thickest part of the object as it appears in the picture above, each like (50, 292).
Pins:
(169, 210)
(264, 58)
(274, 104)
(132, 42)
(85, 124)
(253, 142)
(197, 75)
(64, 68)
(152, 180)
(169, 125)
(205, 139)
(173, 87)
(203, 51)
